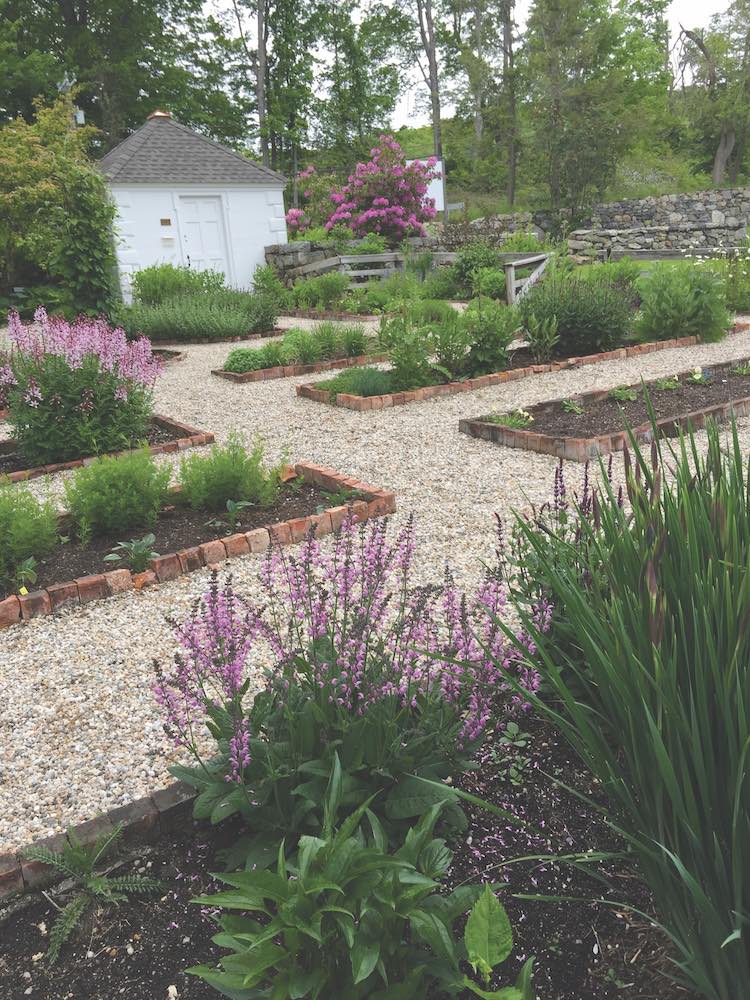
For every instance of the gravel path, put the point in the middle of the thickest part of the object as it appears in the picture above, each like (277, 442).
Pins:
(79, 732)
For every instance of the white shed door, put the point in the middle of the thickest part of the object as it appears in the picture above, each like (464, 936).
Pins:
(204, 243)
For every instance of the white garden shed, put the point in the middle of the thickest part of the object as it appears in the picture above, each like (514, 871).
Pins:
(186, 200)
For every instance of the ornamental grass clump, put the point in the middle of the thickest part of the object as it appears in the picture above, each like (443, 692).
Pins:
(362, 663)
(76, 389)
(649, 665)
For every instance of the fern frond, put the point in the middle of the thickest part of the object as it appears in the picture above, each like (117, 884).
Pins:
(105, 843)
(135, 883)
(57, 861)
(64, 926)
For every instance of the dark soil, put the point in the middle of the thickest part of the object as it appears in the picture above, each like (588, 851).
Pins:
(177, 528)
(11, 461)
(584, 950)
(607, 415)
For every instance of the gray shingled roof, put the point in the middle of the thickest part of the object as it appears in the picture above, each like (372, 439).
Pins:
(162, 151)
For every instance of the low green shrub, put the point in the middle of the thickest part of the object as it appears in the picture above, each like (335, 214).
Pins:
(112, 496)
(734, 268)
(682, 300)
(490, 328)
(228, 472)
(160, 282)
(353, 340)
(425, 311)
(269, 285)
(370, 244)
(474, 257)
(216, 316)
(389, 294)
(490, 281)
(324, 291)
(442, 283)
(410, 348)
(523, 242)
(247, 359)
(359, 382)
(28, 531)
(591, 316)
(301, 347)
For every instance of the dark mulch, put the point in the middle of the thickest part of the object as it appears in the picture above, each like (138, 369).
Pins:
(177, 528)
(606, 416)
(11, 461)
(584, 950)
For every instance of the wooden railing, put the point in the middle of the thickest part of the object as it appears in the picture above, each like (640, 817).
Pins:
(365, 267)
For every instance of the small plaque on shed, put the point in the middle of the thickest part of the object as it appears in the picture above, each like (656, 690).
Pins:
(165, 222)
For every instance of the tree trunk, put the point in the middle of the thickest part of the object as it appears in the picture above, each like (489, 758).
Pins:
(427, 33)
(478, 85)
(723, 153)
(509, 80)
(260, 88)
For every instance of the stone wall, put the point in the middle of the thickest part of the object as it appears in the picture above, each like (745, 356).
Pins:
(290, 259)
(728, 207)
(679, 237)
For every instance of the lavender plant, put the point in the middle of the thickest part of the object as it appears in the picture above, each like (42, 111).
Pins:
(400, 681)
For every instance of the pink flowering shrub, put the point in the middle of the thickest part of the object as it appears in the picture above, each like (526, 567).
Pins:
(75, 389)
(398, 680)
(386, 195)
(315, 197)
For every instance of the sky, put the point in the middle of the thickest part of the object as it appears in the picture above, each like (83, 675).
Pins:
(690, 13)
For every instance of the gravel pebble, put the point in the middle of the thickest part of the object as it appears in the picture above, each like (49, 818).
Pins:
(79, 730)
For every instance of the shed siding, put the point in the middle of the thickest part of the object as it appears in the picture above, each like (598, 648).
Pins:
(253, 218)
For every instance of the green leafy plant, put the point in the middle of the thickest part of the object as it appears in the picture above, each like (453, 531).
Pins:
(623, 394)
(523, 242)
(228, 472)
(698, 376)
(324, 291)
(353, 340)
(28, 531)
(648, 669)
(372, 243)
(741, 369)
(682, 300)
(268, 284)
(489, 281)
(442, 283)
(359, 382)
(514, 418)
(116, 494)
(232, 517)
(301, 347)
(591, 316)
(542, 337)
(78, 862)
(669, 383)
(155, 284)
(509, 753)
(328, 339)
(217, 315)
(410, 346)
(491, 327)
(572, 406)
(348, 918)
(338, 499)
(472, 258)
(137, 553)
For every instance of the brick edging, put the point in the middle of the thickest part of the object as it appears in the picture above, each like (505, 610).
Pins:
(289, 371)
(169, 354)
(191, 438)
(584, 449)
(364, 403)
(276, 331)
(99, 586)
(313, 314)
(144, 821)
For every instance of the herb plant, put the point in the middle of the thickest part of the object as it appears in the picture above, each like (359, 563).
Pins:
(28, 531)
(228, 472)
(232, 517)
(682, 300)
(78, 862)
(117, 494)
(513, 418)
(623, 394)
(590, 316)
(572, 406)
(137, 553)
(542, 337)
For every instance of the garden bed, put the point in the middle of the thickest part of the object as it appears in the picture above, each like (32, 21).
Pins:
(330, 314)
(169, 354)
(521, 366)
(289, 371)
(166, 435)
(595, 423)
(74, 573)
(277, 331)
(583, 949)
